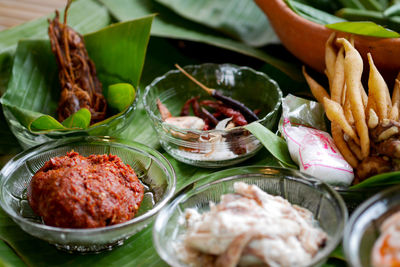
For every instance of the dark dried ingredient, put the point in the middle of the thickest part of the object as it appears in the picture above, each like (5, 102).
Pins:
(230, 102)
(80, 87)
(200, 112)
(218, 115)
(186, 107)
(235, 104)
(381, 128)
(233, 138)
(228, 112)
(196, 108)
(372, 165)
(237, 117)
(385, 151)
(210, 103)
(209, 117)
(257, 111)
(389, 147)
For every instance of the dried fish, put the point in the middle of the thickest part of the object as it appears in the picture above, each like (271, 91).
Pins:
(80, 87)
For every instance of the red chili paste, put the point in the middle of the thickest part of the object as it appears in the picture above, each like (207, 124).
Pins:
(85, 192)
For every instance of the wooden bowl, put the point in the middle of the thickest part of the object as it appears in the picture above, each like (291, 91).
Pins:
(306, 40)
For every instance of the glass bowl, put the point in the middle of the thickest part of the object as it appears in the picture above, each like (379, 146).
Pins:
(363, 228)
(255, 89)
(108, 127)
(153, 170)
(298, 188)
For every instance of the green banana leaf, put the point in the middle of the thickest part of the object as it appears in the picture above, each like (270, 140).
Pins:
(240, 19)
(312, 14)
(7, 256)
(363, 14)
(84, 16)
(169, 25)
(338, 253)
(80, 119)
(46, 123)
(366, 28)
(380, 180)
(324, 5)
(118, 52)
(274, 144)
(336, 258)
(8, 142)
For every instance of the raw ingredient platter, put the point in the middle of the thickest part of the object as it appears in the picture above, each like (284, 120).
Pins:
(187, 42)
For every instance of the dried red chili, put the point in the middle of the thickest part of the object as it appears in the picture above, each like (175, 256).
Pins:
(257, 111)
(237, 117)
(228, 101)
(200, 112)
(186, 107)
(208, 116)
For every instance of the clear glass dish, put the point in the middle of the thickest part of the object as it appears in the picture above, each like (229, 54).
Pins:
(255, 89)
(363, 228)
(153, 170)
(298, 188)
(108, 127)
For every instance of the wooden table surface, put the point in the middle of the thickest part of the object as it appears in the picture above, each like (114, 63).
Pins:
(14, 12)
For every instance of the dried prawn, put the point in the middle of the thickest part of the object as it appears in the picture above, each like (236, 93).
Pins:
(184, 122)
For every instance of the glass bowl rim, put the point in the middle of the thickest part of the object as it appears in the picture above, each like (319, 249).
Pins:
(199, 66)
(98, 125)
(291, 174)
(355, 217)
(161, 160)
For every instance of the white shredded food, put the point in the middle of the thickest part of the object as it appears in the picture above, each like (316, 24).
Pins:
(250, 227)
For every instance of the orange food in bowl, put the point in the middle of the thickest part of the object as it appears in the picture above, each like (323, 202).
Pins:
(74, 191)
(385, 254)
(386, 250)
